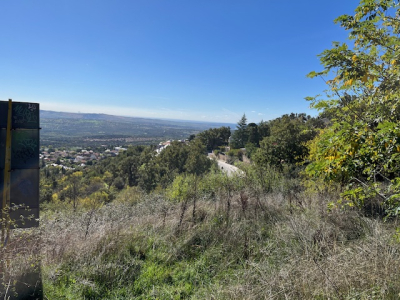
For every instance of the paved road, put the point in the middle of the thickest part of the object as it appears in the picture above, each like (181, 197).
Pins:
(227, 168)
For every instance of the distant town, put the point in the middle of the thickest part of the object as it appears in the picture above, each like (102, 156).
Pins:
(80, 157)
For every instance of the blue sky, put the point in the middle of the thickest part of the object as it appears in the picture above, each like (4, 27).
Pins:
(204, 60)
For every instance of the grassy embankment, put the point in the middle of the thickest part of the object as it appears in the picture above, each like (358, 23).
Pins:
(240, 243)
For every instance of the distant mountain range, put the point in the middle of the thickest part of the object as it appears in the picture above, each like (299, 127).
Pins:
(48, 114)
(77, 129)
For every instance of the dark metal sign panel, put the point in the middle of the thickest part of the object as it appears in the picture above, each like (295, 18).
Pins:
(24, 208)
(24, 115)
(24, 191)
(25, 149)
(3, 134)
(25, 218)
(3, 114)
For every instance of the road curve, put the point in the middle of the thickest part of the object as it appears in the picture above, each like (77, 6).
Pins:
(227, 168)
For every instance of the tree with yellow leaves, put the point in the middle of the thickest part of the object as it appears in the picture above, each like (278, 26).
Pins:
(361, 147)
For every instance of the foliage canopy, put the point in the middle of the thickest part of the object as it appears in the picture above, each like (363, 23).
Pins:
(362, 147)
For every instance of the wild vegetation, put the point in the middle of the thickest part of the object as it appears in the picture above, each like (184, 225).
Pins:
(314, 215)
(215, 237)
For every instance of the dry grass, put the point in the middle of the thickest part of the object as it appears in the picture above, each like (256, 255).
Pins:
(262, 249)
(20, 265)
(312, 254)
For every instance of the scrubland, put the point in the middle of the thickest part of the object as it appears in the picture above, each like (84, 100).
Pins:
(231, 242)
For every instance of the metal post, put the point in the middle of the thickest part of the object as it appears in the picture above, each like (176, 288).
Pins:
(5, 214)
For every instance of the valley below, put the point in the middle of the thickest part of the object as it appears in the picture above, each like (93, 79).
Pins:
(61, 129)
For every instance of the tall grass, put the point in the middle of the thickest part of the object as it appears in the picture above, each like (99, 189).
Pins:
(270, 243)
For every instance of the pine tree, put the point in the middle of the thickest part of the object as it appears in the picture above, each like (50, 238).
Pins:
(240, 136)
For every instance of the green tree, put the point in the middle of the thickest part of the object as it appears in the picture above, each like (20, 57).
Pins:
(253, 136)
(197, 161)
(73, 188)
(286, 142)
(149, 175)
(182, 190)
(150, 172)
(240, 136)
(263, 129)
(213, 138)
(362, 147)
(174, 157)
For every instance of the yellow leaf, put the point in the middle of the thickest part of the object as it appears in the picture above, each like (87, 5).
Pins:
(354, 58)
(349, 82)
(365, 78)
(393, 62)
